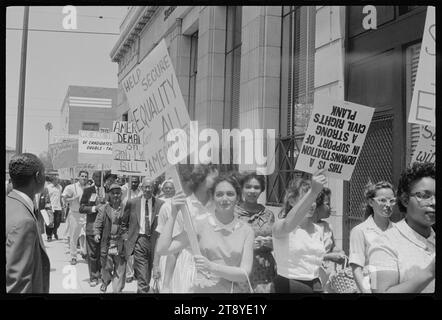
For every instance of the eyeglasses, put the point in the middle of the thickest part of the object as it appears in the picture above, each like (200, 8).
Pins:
(384, 201)
(424, 198)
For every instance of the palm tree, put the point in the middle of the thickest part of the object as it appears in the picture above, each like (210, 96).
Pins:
(48, 127)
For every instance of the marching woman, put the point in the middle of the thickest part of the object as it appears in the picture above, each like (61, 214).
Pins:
(380, 199)
(261, 220)
(301, 244)
(402, 259)
(226, 242)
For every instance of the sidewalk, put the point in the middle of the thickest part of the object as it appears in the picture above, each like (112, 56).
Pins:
(66, 278)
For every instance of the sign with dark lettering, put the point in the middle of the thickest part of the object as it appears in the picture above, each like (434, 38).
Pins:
(422, 109)
(157, 107)
(334, 137)
(127, 149)
(426, 147)
(94, 147)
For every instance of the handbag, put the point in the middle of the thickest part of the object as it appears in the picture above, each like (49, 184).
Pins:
(240, 285)
(342, 281)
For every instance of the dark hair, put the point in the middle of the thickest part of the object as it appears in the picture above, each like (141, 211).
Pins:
(49, 178)
(199, 174)
(230, 178)
(252, 175)
(325, 192)
(410, 176)
(109, 175)
(23, 167)
(83, 171)
(297, 187)
(370, 192)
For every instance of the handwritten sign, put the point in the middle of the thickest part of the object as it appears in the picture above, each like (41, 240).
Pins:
(127, 149)
(64, 154)
(157, 106)
(94, 147)
(426, 147)
(422, 109)
(334, 138)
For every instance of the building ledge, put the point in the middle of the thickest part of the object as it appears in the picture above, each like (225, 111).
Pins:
(140, 17)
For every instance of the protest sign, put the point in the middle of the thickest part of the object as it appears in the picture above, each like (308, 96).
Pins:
(156, 107)
(64, 154)
(426, 147)
(94, 147)
(422, 109)
(334, 137)
(127, 149)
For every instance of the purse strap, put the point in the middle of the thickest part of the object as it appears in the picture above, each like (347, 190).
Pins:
(248, 281)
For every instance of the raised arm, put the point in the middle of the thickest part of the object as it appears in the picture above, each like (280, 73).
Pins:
(297, 214)
(167, 244)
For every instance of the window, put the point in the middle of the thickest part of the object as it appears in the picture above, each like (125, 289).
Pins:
(297, 91)
(411, 65)
(125, 117)
(192, 74)
(90, 126)
(232, 67)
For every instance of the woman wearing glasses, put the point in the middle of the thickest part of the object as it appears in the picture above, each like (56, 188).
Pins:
(379, 202)
(402, 259)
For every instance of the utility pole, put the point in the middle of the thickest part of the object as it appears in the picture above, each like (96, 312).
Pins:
(21, 89)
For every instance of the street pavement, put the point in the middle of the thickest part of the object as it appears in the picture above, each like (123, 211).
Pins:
(66, 278)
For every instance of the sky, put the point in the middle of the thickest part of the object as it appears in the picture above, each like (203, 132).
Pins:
(55, 61)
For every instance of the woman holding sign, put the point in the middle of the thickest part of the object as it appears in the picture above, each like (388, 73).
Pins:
(402, 259)
(380, 199)
(226, 242)
(300, 241)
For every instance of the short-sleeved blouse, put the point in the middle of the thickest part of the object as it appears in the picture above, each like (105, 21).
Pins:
(222, 244)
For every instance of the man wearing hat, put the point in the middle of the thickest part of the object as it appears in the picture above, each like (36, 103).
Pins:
(93, 198)
(110, 233)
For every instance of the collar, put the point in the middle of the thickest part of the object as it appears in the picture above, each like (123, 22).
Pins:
(373, 226)
(26, 198)
(415, 237)
(217, 225)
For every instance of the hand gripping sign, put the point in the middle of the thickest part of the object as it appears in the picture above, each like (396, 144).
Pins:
(334, 138)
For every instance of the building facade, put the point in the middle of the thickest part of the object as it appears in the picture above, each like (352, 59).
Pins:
(87, 108)
(262, 67)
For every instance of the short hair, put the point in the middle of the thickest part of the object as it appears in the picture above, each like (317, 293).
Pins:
(83, 171)
(109, 175)
(252, 175)
(199, 175)
(325, 192)
(23, 167)
(96, 173)
(410, 176)
(230, 178)
(370, 192)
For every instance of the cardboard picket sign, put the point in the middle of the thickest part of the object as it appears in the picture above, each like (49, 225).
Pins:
(127, 149)
(156, 107)
(426, 147)
(64, 154)
(94, 147)
(423, 102)
(334, 138)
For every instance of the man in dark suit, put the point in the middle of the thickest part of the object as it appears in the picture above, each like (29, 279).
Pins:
(93, 197)
(27, 263)
(140, 219)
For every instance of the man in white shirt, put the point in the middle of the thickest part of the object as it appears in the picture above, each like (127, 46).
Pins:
(54, 190)
(140, 219)
(72, 195)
